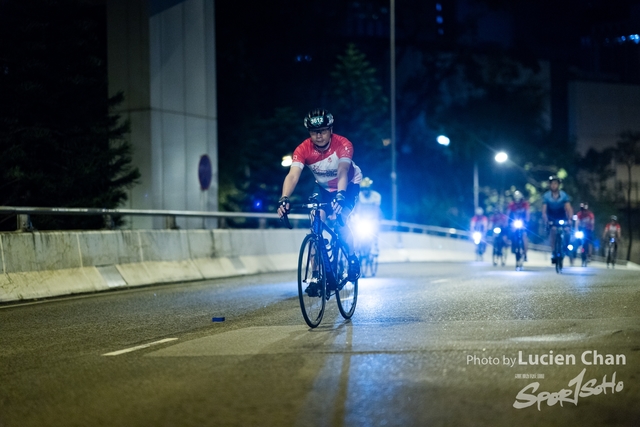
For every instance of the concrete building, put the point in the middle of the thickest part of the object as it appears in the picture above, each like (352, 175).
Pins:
(161, 54)
(598, 113)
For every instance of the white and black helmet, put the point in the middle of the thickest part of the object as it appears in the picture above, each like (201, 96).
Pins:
(517, 196)
(318, 118)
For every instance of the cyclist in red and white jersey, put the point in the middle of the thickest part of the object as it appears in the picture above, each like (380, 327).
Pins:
(586, 222)
(612, 231)
(519, 210)
(330, 158)
(479, 222)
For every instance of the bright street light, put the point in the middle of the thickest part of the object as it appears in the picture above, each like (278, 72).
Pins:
(501, 157)
(286, 161)
(443, 140)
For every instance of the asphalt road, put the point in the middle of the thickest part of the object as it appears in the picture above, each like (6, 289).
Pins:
(429, 345)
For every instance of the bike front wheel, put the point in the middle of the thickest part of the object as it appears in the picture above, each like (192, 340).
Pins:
(346, 292)
(312, 281)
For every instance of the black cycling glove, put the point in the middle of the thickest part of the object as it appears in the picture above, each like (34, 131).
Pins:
(341, 198)
(284, 201)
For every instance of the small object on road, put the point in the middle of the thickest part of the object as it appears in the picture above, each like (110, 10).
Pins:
(217, 319)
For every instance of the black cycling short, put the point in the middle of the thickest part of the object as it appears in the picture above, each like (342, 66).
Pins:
(353, 191)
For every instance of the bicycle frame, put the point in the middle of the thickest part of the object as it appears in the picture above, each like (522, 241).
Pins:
(329, 255)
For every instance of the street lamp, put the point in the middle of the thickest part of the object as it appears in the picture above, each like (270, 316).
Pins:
(500, 157)
(392, 72)
(443, 140)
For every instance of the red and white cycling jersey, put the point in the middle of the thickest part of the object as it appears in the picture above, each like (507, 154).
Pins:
(586, 220)
(324, 164)
(612, 229)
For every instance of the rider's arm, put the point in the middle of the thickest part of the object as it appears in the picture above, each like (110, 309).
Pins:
(291, 180)
(545, 218)
(343, 175)
(568, 210)
(343, 181)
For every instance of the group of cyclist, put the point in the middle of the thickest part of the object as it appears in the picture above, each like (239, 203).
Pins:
(517, 213)
(342, 187)
(556, 212)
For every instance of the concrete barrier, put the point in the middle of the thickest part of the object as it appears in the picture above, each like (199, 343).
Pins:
(39, 265)
(47, 264)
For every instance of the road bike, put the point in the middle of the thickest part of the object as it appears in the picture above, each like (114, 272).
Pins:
(499, 252)
(366, 235)
(560, 245)
(517, 244)
(611, 252)
(323, 266)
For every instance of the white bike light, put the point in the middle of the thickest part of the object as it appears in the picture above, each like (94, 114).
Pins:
(497, 230)
(561, 222)
(365, 228)
(579, 234)
(477, 237)
(570, 247)
(518, 223)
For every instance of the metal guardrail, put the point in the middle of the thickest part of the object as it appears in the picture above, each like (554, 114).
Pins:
(24, 218)
(24, 214)
(24, 221)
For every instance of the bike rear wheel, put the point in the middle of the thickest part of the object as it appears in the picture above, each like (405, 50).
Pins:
(346, 292)
(312, 281)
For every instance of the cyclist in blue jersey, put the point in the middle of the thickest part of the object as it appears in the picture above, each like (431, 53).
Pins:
(556, 206)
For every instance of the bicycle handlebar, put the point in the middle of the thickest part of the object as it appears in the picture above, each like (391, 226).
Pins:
(287, 223)
(285, 220)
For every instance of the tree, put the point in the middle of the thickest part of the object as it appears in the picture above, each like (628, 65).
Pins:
(60, 143)
(628, 153)
(361, 110)
(482, 100)
(254, 183)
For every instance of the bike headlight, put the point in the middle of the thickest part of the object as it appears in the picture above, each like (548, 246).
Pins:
(518, 223)
(570, 247)
(497, 230)
(579, 234)
(365, 228)
(561, 222)
(477, 237)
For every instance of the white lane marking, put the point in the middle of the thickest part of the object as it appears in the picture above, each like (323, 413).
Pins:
(440, 281)
(139, 347)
